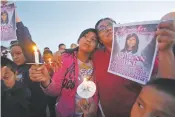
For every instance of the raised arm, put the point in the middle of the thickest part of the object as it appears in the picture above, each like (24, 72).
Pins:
(50, 86)
(166, 41)
(25, 40)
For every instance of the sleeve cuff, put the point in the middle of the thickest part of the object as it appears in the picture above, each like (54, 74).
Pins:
(45, 88)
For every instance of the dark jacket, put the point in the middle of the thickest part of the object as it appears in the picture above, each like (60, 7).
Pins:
(14, 101)
(38, 101)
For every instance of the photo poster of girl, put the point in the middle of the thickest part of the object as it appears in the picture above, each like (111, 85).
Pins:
(8, 22)
(134, 50)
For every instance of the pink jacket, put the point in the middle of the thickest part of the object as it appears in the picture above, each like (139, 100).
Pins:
(65, 106)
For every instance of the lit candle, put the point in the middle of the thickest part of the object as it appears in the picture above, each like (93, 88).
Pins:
(50, 62)
(36, 54)
(85, 83)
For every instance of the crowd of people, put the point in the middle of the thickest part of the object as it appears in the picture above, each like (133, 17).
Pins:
(27, 90)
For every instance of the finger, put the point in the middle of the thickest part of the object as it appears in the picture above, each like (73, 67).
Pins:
(34, 67)
(37, 79)
(166, 32)
(35, 72)
(164, 39)
(40, 79)
(42, 67)
(85, 108)
(169, 24)
(35, 76)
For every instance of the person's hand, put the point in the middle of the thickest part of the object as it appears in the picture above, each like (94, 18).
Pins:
(88, 107)
(17, 18)
(39, 73)
(166, 35)
(57, 60)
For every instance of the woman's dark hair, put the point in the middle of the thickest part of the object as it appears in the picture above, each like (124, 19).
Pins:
(164, 84)
(14, 43)
(107, 18)
(7, 19)
(71, 51)
(135, 48)
(100, 45)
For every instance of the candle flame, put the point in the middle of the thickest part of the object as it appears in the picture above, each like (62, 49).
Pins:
(85, 79)
(34, 48)
(49, 60)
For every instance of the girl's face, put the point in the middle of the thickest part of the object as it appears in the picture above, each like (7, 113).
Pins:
(131, 42)
(105, 31)
(88, 42)
(47, 58)
(9, 78)
(153, 103)
(17, 55)
(4, 16)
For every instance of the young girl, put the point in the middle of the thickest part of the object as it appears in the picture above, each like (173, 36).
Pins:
(76, 66)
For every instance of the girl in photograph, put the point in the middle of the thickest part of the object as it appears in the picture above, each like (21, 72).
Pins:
(4, 18)
(131, 44)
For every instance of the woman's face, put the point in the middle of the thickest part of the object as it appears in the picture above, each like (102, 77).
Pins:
(17, 55)
(131, 42)
(4, 16)
(88, 42)
(153, 103)
(105, 31)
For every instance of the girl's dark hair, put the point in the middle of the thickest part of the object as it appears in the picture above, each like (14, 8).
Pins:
(7, 20)
(164, 84)
(47, 52)
(135, 48)
(70, 51)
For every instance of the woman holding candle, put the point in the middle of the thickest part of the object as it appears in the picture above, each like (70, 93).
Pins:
(22, 52)
(77, 65)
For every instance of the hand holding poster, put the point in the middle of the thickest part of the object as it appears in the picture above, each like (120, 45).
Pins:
(8, 22)
(134, 51)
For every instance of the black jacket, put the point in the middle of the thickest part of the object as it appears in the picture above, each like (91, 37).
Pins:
(14, 101)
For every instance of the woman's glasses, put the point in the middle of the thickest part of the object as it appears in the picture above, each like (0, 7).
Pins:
(103, 28)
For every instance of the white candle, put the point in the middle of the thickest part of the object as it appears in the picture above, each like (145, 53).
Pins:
(85, 83)
(50, 62)
(36, 54)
